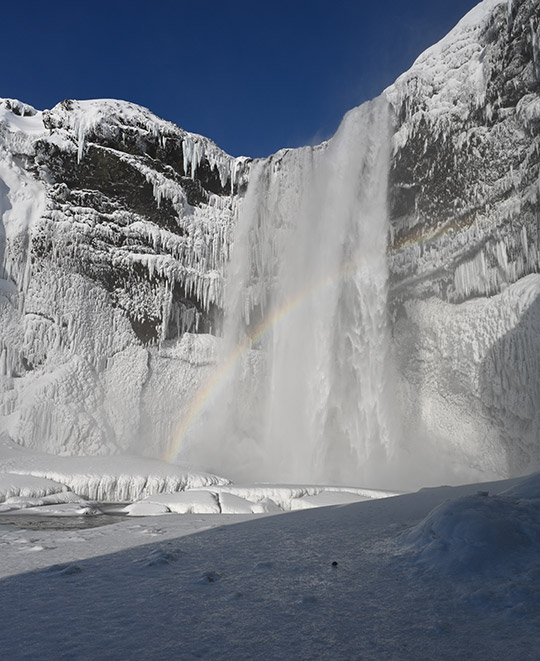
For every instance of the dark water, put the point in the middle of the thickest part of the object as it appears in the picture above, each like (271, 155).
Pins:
(111, 514)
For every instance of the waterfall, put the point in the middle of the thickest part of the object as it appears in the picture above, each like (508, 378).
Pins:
(303, 392)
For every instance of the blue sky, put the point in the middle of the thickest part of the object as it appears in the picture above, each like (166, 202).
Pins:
(253, 76)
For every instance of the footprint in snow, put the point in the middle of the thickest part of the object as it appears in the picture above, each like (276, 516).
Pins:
(209, 577)
(162, 557)
(63, 570)
(153, 532)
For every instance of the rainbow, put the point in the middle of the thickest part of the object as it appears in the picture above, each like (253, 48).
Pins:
(209, 385)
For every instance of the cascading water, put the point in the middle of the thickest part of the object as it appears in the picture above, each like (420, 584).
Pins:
(304, 383)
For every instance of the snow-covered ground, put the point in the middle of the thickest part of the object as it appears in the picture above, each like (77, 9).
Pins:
(392, 578)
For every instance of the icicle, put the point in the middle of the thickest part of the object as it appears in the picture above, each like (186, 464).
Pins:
(536, 57)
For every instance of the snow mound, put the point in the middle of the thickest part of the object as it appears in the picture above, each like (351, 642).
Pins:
(146, 508)
(18, 492)
(287, 497)
(481, 534)
(199, 502)
(13, 486)
(190, 502)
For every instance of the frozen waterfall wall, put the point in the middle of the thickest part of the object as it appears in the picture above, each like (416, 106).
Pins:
(116, 229)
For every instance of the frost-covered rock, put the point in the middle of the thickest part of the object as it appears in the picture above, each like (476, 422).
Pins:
(465, 167)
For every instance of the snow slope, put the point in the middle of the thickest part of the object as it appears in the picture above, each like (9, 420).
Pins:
(333, 583)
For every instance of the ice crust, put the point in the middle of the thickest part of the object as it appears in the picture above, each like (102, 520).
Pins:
(13, 485)
(471, 372)
(44, 484)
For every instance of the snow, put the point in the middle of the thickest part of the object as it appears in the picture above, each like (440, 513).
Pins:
(478, 534)
(330, 583)
(488, 545)
(15, 485)
(459, 384)
(450, 73)
(68, 505)
(20, 117)
(30, 479)
(528, 489)
(191, 502)
(114, 478)
(146, 508)
(251, 498)
(474, 18)
(326, 499)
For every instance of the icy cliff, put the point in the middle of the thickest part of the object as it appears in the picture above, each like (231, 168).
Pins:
(116, 229)
(465, 238)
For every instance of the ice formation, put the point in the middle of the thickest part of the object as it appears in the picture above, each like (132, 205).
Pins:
(53, 479)
(251, 499)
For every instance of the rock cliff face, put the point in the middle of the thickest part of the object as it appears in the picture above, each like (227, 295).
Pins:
(116, 226)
